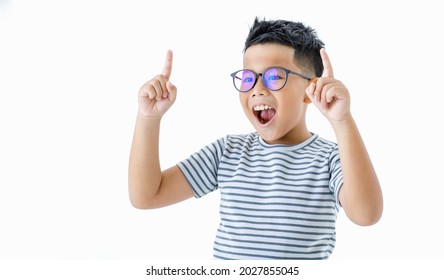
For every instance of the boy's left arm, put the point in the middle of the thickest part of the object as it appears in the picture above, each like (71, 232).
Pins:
(360, 195)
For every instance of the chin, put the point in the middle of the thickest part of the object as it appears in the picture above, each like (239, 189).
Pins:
(268, 137)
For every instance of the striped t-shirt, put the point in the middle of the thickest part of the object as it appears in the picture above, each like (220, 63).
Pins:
(277, 201)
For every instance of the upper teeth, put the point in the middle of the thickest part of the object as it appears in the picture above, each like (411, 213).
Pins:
(262, 107)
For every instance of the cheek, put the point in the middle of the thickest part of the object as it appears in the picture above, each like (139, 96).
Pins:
(297, 87)
(292, 106)
(296, 97)
(244, 102)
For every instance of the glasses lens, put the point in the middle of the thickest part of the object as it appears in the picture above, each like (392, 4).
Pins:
(244, 80)
(275, 78)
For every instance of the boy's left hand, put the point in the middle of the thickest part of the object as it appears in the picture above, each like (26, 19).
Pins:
(329, 95)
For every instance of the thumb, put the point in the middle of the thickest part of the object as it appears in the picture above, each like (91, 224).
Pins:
(171, 88)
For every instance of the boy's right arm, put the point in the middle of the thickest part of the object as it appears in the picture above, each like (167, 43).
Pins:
(149, 187)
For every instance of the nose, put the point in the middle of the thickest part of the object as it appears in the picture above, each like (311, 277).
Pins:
(259, 88)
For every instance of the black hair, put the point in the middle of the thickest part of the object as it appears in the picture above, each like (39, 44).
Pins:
(302, 38)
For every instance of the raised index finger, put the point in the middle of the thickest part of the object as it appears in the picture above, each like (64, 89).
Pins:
(167, 68)
(328, 69)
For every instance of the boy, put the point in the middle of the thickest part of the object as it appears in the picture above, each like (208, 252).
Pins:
(281, 186)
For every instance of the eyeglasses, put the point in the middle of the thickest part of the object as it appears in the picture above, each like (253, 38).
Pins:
(274, 78)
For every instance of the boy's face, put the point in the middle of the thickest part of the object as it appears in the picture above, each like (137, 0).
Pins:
(284, 123)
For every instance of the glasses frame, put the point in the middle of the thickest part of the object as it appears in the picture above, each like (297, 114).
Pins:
(256, 77)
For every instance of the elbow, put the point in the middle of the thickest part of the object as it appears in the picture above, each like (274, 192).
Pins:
(139, 203)
(367, 218)
(363, 210)
(143, 204)
(140, 200)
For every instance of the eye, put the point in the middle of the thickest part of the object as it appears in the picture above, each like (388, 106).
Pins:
(274, 74)
(248, 80)
(273, 77)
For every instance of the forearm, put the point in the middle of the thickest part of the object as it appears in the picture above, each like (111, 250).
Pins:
(361, 195)
(145, 175)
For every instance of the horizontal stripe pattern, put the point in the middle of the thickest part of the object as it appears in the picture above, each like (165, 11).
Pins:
(277, 201)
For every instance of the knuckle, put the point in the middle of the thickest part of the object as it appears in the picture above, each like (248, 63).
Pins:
(160, 78)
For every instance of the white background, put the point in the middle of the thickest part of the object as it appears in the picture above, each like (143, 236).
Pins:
(69, 76)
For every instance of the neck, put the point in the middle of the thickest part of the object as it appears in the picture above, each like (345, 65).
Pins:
(292, 138)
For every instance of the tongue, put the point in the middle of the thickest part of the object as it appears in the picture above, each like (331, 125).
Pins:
(267, 115)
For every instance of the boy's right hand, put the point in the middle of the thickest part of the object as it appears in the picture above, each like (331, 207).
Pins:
(158, 94)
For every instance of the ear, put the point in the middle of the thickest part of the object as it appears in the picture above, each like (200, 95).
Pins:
(307, 99)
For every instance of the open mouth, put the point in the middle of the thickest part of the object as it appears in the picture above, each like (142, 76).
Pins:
(263, 113)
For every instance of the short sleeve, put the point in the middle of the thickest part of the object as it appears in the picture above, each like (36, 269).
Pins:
(336, 178)
(201, 168)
